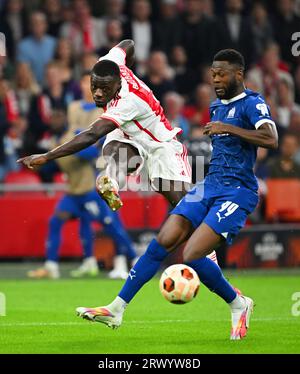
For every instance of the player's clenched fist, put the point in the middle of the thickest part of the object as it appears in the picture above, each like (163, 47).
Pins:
(33, 160)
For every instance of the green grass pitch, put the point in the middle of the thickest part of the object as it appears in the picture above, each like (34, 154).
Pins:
(41, 318)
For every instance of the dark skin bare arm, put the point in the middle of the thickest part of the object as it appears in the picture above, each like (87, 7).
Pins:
(128, 46)
(265, 136)
(97, 130)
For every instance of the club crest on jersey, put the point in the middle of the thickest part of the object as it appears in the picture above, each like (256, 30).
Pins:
(231, 113)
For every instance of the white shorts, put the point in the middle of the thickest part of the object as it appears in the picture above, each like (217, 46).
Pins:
(166, 160)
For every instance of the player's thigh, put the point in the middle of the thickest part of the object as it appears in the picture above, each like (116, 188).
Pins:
(201, 243)
(175, 231)
(194, 206)
(228, 213)
(172, 190)
(67, 208)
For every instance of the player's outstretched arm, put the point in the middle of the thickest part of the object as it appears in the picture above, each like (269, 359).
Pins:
(265, 136)
(97, 130)
(128, 46)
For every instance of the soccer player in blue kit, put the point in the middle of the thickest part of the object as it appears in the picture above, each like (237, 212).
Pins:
(215, 209)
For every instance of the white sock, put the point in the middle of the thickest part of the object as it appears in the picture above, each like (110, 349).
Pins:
(90, 262)
(120, 263)
(51, 265)
(238, 303)
(53, 268)
(118, 305)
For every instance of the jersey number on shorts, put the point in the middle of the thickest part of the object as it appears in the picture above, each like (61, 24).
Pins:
(229, 207)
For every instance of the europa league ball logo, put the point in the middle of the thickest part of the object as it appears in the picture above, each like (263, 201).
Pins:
(2, 45)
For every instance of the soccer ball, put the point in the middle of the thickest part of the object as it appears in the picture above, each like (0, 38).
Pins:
(179, 284)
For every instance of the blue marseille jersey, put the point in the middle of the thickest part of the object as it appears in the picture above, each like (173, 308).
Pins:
(232, 158)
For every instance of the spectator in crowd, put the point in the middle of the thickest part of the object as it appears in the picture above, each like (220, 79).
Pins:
(208, 8)
(185, 78)
(198, 113)
(236, 30)
(13, 24)
(86, 63)
(48, 106)
(139, 28)
(285, 24)
(64, 58)
(8, 120)
(25, 87)
(173, 104)
(38, 48)
(199, 34)
(84, 32)
(53, 11)
(284, 166)
(297, 84)
(286, 103)
(167, 30)
(159, 75)
(114, 34)
(295, 123)
(114, 9)
(261, 29)
(267, 74)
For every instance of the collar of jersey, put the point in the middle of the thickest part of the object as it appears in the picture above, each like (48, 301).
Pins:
(235, 98)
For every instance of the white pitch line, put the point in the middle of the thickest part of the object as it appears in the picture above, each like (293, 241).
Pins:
(37, 324)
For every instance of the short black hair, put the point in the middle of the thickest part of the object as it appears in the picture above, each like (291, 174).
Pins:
(232, 56)
(105, 68)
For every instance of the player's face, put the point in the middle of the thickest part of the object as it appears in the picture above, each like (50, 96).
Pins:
(227, 79)
(104, 89)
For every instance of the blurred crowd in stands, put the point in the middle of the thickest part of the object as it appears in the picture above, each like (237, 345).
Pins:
(50, 43)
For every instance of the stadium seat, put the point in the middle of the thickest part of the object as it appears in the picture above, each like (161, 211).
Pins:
(26, 178)
(283, 200)
(22, 177)
(59, 178)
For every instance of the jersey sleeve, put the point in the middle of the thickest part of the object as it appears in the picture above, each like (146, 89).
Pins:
(122, 112)
(258, 112)
(117, 55)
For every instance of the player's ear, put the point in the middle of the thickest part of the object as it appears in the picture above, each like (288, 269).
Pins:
(240, 75)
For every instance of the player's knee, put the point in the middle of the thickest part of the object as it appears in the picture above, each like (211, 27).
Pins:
(167, 240)
(190, 254)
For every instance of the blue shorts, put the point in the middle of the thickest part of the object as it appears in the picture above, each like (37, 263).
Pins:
(88, 205)
(223, 208)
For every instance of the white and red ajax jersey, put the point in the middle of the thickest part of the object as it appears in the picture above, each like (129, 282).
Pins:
(135, 110)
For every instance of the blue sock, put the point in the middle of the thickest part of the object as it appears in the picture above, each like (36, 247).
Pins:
(123, 243)
(143, 270)
(54, 238)
(211, 275)
(86, 236)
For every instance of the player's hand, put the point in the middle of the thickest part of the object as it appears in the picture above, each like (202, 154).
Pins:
(216, 127)
(33, 160)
